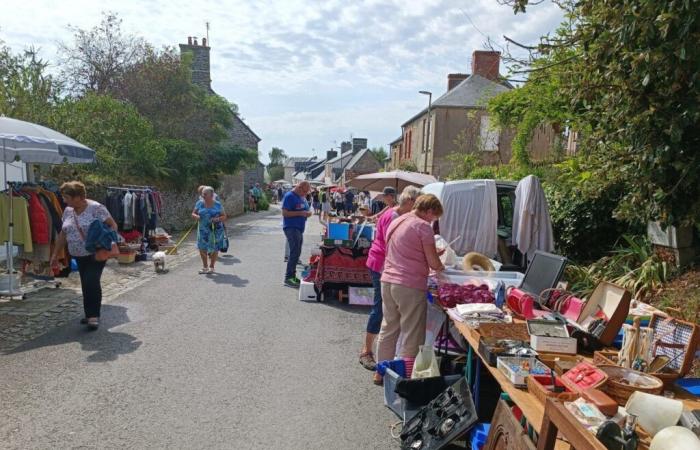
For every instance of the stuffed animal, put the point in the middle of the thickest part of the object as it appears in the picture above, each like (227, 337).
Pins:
(159, 261)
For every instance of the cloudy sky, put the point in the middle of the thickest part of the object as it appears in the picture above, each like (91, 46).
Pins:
(305, 74)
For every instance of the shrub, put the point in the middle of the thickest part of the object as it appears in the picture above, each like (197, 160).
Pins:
(263, 203)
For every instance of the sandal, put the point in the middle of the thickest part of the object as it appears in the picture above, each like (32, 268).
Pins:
(203, 271)
(378, 380)
(93, 323)
(367, 361)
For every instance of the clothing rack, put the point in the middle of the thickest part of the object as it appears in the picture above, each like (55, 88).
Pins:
(134, 188)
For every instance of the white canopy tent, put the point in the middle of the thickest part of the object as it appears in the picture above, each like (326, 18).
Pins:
(35, 144)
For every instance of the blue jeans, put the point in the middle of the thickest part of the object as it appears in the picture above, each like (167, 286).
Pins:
(295, 238)
(374, 323)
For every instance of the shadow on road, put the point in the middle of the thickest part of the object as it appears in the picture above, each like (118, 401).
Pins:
(104, 345)
(228, 260)
(334, 303)
(227, 278)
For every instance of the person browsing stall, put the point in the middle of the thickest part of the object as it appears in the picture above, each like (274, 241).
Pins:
(295, 211)
(375, 264)
(78, 217)
(211, 218)
(410, 254)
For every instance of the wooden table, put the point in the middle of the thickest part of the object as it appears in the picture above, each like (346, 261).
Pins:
(532, 409)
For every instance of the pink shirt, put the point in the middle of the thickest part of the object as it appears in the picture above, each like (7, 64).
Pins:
(377, 253)
(405, 262)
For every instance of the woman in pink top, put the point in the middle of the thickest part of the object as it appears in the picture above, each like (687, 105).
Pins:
(410, 254)
(375, 264)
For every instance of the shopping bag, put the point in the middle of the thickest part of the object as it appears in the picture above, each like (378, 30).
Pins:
(426, 364)
(434, 319)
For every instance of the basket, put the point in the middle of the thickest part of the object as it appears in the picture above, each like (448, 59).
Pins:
(539, 390)
(608, 357)
(620, 392)
(512, 331)
(676, 339)
(126, 258)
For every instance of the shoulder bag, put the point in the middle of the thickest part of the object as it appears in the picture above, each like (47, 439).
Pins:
(102, 254)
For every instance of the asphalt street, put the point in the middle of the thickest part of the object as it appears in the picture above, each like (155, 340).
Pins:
(227, 361)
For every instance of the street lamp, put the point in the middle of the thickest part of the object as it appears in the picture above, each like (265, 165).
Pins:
(427, 133)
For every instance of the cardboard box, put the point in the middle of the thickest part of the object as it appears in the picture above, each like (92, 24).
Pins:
(550, 337)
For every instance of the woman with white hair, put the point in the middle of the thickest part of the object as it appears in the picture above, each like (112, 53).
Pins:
(210, 233)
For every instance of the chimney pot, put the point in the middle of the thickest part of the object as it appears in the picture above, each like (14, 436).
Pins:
(204, 42)
(486, 64)
(453, 79)
(195, 41)
(189, 40)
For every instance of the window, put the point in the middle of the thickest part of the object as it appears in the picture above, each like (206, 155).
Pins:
(488, 135)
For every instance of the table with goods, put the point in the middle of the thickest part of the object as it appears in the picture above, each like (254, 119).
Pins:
(340, 262)
(545, 368)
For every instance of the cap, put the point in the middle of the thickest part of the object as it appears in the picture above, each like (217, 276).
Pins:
(388, 190)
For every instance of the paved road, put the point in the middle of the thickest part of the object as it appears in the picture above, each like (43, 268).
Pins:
(189, 361)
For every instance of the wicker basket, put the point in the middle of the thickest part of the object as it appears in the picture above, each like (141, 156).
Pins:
(607, 357)
(620, 392)
(514, 331)
(541, 393)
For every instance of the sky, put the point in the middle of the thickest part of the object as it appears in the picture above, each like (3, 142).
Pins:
(305, 74)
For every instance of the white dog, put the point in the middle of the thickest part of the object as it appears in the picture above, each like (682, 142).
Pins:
(159, 261)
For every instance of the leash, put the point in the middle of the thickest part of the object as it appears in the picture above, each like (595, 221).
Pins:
(174, 249)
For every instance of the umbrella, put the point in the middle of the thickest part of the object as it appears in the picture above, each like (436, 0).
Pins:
(35, 144)
(398, 179)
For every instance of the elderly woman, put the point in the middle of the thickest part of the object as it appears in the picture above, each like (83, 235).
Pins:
(78, 216)
(375, 264)
(410, 254)
(210, 235)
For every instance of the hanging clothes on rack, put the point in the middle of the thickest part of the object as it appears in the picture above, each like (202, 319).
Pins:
(22, 229)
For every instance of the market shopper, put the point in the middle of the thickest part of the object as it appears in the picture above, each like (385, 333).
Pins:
(295, 211)
(211, 217)
(410, 254)
(325, 205)
(375, 264)
(78, 216)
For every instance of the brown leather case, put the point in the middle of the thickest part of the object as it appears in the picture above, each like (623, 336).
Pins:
(601, 400)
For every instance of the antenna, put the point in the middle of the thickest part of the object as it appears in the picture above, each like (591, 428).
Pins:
(207, 23)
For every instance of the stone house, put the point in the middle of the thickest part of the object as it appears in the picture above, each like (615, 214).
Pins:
(459, 123)
(240, 133)
(344, 167)
(296, 164)
(394, 151)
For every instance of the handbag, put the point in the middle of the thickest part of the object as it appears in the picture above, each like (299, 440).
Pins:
(224, 242)
(102, 254)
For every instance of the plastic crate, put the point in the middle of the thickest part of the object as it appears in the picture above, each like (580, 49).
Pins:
(339, 231)
(401, 407)
(514, 279)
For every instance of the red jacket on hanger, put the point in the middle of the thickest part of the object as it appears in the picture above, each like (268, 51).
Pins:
(38, 221)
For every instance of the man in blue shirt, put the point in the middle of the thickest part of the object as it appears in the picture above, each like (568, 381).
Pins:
(295, 211)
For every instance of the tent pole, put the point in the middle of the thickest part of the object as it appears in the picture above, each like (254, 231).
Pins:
(10, 247)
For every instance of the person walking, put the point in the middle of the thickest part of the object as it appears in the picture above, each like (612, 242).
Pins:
(410, 254)
(211, 218)
(375, 264)
(78, 216)
(325, 205)
(350, 202)
(295, 211)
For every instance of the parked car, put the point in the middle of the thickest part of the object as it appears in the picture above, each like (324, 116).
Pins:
(478, 216)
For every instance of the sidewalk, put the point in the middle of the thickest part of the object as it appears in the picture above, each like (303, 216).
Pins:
(45, 309)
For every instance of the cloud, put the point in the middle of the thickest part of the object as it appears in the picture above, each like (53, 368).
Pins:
(305, 72)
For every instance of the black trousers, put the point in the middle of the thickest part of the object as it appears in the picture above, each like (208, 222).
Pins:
(90, 275)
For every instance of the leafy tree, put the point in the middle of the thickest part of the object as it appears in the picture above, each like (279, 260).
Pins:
(379, 153)
(277, 157)
(630, 72)
(27, 92)
(276, 172)
(126, 146)
(98, 57)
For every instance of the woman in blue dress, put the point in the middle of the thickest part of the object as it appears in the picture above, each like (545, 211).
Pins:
(210, 235)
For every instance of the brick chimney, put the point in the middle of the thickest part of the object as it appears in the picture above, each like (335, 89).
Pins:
(201, 75)
(330, 154)
(453, 79)
(486, 63)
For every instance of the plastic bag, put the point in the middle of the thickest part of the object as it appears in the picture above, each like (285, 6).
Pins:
(449, 258)
(426, 364)
(434, 319)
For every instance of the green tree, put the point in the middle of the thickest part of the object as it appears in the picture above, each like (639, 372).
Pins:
(630, 72)
(276, 172)
(379, 153)
(126, 146)
(27, 91)
(277, 157)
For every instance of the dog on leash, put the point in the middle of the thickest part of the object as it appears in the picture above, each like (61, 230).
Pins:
(159, 261)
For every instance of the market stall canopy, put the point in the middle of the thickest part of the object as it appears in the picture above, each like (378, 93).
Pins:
(36, 144)
(399, 179)
(280, 182)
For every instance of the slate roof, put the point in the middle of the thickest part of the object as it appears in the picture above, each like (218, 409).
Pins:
(474, 92)
(356, 158)
(395, 141)
(339, 157)
(289, 162)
